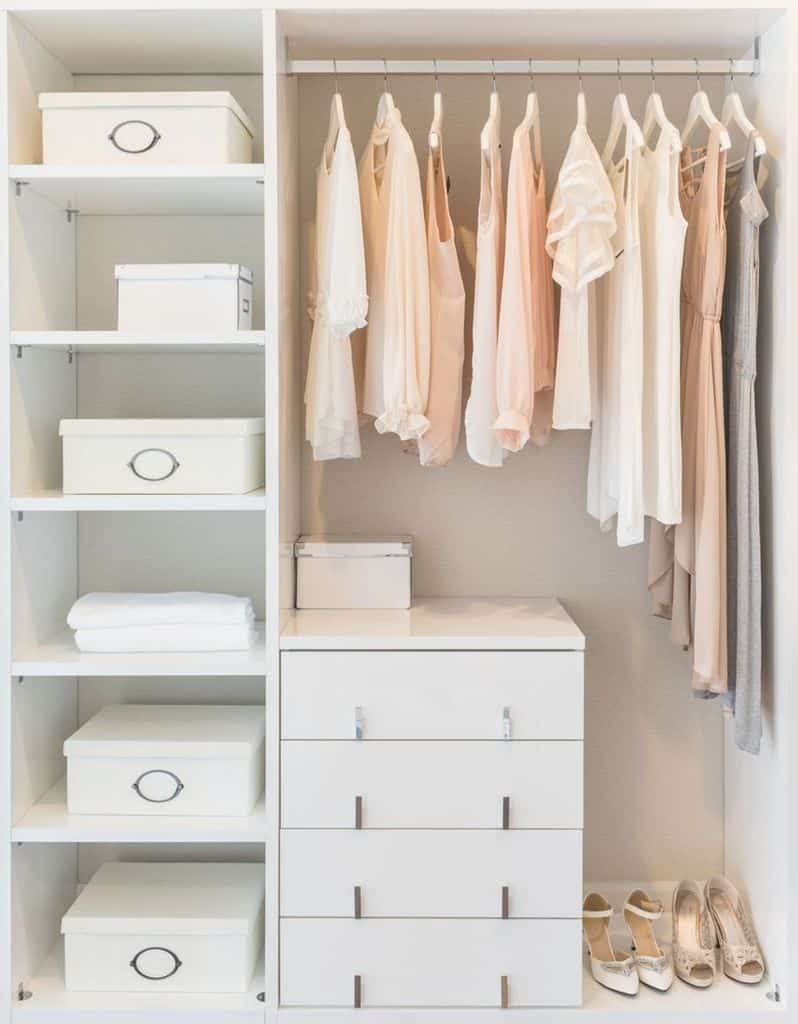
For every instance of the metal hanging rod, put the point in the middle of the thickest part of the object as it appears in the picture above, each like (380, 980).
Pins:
(380, 66)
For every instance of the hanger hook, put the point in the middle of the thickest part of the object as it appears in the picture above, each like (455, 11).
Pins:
(697, 74)
(579, 73)
(385, 75)
(618, 73)
(531, 74)
(653, 77)
(493, 73)
(731, 74)
(435, 72)
(335, 75)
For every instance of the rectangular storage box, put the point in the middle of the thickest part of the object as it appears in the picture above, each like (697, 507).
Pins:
(169, 456)
(167, 760)
(165, 928)
(354, 572)
(144, 127)
(203, 298)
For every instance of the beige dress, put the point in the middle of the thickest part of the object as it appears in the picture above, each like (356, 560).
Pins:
(447, 323)
(687, 562)
(525, 354)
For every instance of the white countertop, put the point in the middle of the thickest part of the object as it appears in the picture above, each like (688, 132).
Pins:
(439, 623)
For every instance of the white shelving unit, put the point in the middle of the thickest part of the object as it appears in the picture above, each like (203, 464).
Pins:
(478, 535)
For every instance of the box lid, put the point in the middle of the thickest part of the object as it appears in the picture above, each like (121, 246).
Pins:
(175, 731)
(234, 427)
(83, 100)
(171, 899)
(182, 272)
(330, 546)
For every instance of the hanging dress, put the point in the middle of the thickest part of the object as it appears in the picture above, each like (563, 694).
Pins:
(526, 350)
(745, 212)
(481, 410)
(615, 467)
(662, 230)
(447, 321)
(396, 382)
(338, 300)
(580, 227)
(687, 562)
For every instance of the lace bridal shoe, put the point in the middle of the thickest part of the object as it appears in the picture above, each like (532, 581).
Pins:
(614, 971)
(742, 959)
(693, 936)
(654, 967)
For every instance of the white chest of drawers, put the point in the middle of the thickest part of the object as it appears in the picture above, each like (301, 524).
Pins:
(431, 807)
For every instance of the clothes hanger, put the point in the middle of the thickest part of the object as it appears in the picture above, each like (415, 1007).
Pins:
(701, 110)
(622, 120)
(386, 104)
(581, 103)
(493, 113)
(337, 119)
(733, 112)
(531, 119)
(437, 114)
(655, 116)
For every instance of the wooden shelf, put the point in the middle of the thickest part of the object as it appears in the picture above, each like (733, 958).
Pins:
(50, 1001)
(60, 657)
(55, 501)
(125, 342)
(151, 189)
(48, 821)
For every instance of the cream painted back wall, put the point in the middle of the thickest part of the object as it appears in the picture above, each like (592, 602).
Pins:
(654, 764)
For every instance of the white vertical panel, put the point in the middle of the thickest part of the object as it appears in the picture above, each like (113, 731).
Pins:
(43, 391)
(43, 267)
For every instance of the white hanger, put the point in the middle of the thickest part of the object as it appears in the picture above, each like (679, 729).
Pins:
(337, 118)
(437, 115)
(621, 120)
(655, 115)
(386, 103)
(581, 102)
(493, 115)
(733, 112)
(531, 119)
(701, 110)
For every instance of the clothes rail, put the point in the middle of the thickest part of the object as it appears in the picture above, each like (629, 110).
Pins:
(643, 66)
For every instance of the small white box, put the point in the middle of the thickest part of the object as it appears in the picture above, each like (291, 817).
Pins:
(213, 456)
(165, 928)
(354, 572)
(144, 127)
(203, 298)
(147, 759)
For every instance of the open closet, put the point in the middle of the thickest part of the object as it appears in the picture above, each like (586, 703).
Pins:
(442, 784)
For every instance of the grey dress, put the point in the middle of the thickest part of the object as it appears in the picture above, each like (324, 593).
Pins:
(745, 211)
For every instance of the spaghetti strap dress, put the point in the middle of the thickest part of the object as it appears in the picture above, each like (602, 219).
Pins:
(687, 562)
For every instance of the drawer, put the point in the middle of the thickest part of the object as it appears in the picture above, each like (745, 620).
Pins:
(430, 963)
(432, 695)
(419, 873)
(430, 784)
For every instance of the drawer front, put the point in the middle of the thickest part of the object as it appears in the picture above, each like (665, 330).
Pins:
(430, 963)
(440, 873)
(450, 784)
(432, 695)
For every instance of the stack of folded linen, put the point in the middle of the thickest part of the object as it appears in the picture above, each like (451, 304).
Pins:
(162, 622)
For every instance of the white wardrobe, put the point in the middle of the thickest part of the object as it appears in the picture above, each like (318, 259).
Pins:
(425, 846)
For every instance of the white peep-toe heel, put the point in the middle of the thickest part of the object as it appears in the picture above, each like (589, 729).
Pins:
(614, 971)
(693, 936)
(742, 958)
(654, 967)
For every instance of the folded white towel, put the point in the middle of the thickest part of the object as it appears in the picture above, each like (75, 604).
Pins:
(165, 638)
(107, 611)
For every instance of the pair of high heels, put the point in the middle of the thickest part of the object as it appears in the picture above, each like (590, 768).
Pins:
(647, 962)
(704, 919)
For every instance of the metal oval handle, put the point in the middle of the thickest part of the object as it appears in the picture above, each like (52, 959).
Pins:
(156, 977)
(156, 136)
(154, 479)
(179, 787)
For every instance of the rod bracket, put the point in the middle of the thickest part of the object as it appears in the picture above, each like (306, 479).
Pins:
(18, 187)
(23, 993)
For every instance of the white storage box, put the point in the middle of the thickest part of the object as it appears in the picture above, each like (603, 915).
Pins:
(144, 127)
(204, 298)
(167, 760)
(354, 572)
(165, 928)
(213, 456)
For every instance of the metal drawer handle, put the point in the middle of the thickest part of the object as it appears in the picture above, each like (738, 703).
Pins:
(358, 722)
(173, 468)
(358, 993)
(358, 812)
(156, 136)
(177, 963)
(505, 998)
(179, 787)
(358, 908)
(505, 901)
(505, 812)
(507, 724)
